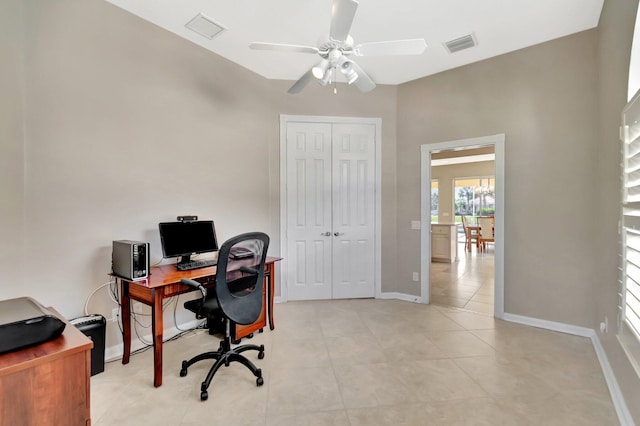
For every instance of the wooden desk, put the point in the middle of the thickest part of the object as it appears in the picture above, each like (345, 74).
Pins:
(47, 384)
(164, 282)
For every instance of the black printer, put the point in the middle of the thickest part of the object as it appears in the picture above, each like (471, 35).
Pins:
(25, 322)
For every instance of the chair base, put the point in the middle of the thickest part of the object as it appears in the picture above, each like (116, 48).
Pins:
(225, 355)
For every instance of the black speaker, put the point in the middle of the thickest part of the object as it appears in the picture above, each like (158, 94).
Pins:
(94, 326)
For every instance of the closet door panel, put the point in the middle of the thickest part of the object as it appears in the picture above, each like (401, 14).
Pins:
(353, 210)
(309, 211)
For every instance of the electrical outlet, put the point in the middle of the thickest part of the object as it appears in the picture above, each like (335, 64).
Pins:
(415, 224)
(604, 325)
(416, 276)
(114, 314)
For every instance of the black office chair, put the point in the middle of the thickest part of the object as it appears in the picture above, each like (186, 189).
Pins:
(237, 298)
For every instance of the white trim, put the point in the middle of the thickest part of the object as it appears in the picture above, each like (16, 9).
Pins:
(377, 122)
(425, 224)
(498, 142)
(624, 416)
(549, 325)
(400, 296)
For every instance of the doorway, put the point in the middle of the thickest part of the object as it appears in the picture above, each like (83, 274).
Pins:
(428, 151)
(330, 204)
(463, 194)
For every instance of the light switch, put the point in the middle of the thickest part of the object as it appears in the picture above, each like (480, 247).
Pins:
(415, 224)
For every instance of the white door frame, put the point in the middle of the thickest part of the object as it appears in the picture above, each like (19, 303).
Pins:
(425, 215)
(377, 122)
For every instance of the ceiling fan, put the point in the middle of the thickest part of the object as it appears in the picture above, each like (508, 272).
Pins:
(338, 46)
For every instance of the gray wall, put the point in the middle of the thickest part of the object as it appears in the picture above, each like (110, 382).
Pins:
(543, 99)
(615, 32)
(11, 148)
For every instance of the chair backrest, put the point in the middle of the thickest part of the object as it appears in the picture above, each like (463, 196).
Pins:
(240, 276)
(486, 227)
(464, 223)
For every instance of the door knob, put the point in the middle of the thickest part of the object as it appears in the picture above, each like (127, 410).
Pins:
(326, 234)
(337, 234)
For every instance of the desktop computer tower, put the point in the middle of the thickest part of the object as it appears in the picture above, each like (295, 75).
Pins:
(130, 259)
(94, 327)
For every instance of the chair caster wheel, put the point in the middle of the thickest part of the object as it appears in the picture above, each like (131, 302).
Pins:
(261, 330)
(183, 370)
(249, 336)
(260, 355)
(204, 395)
(259, 381)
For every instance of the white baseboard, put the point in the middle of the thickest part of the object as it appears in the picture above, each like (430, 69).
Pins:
(549, 325)
(614, 389)
(399, 296)
(390, 295)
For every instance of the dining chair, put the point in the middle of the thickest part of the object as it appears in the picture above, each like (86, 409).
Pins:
(470, 235)
(486, 232)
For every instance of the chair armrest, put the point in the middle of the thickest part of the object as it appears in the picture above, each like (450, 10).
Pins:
(248, 270)
(195, 284)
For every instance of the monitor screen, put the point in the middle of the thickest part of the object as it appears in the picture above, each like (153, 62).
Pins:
(186, 238)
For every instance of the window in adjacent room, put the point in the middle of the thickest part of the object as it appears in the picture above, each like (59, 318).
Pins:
(475, 197)
(434, 200)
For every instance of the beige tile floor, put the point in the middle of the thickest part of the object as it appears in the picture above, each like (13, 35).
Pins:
(370, 362)
(467, 283)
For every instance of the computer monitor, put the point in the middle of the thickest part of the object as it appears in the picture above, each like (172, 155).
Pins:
(182, 239)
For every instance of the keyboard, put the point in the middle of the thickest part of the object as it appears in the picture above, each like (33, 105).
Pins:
(196, 264)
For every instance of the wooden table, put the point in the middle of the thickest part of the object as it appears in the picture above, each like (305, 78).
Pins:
(164, 282)
(47, 384)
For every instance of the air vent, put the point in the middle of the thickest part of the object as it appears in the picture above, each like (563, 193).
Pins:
(461, 43)
(204, 26)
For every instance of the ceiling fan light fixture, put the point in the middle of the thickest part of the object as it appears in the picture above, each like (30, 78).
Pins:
(320, 70)
(326, 78)
(346, 67)
(351, 76)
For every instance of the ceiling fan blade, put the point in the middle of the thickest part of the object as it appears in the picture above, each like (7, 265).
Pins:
(301, 83)
(414, 46)
(342, 14)
(363, 82)
(283, 47)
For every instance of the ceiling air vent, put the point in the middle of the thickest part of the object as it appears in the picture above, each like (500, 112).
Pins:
(461, 43)
(204, 26)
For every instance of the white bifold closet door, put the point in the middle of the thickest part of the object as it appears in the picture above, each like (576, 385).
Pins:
(330, 210)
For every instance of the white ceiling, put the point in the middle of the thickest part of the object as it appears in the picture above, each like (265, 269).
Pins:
(499, 26)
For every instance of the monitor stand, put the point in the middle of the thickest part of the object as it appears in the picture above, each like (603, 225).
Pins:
(184, 259)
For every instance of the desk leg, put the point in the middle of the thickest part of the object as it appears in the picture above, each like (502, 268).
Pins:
(270, 295)
(157, 327)
(125, 317)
